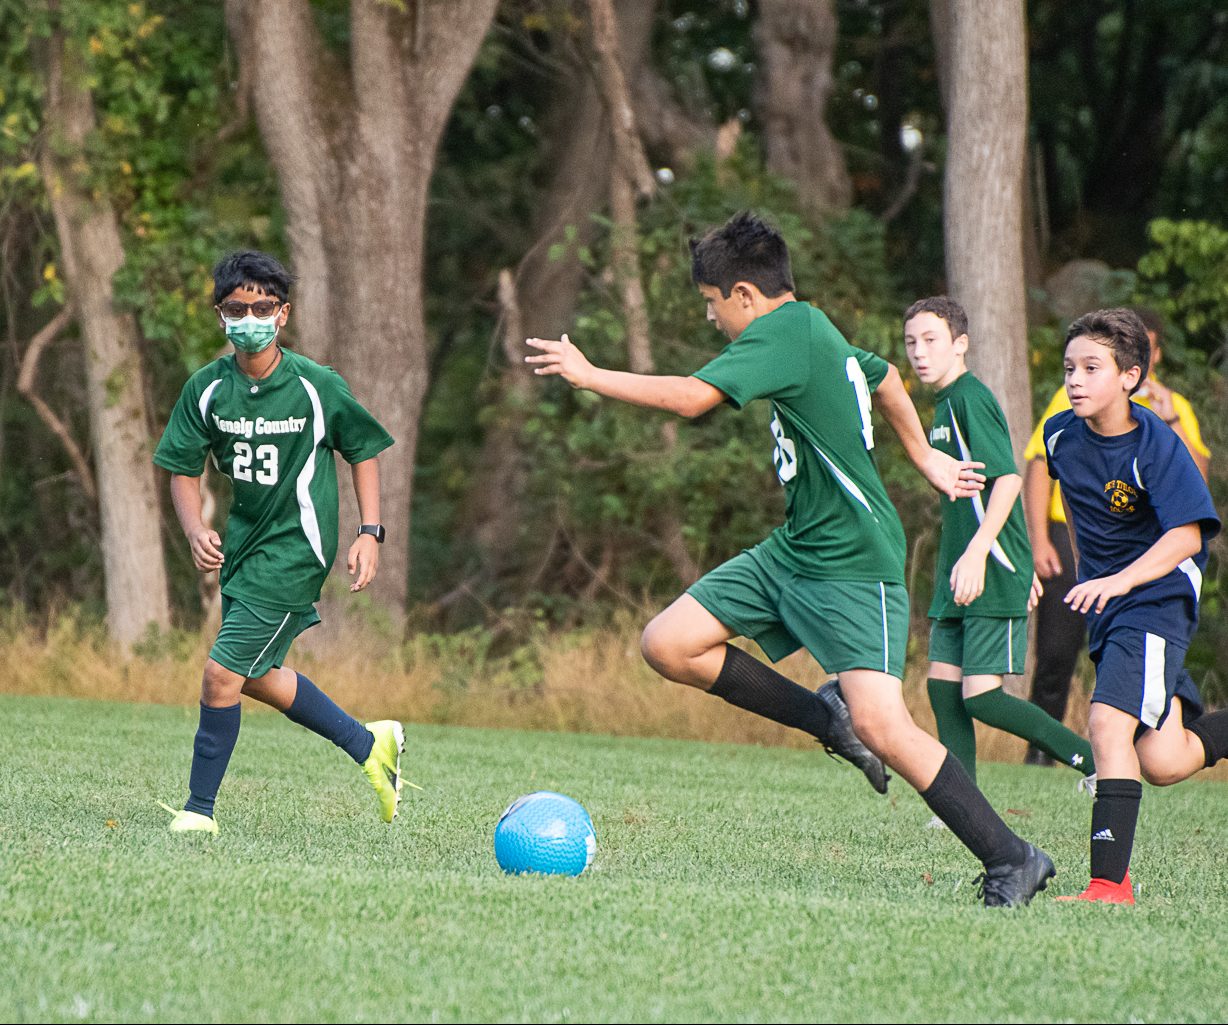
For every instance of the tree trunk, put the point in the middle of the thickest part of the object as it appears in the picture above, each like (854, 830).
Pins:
(796, 42)
(354, 147)
(541, 299)
(92, 252)
(983, 211)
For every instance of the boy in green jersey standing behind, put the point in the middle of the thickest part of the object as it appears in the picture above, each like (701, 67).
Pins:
(831, 579)
(983, 580)
(271, 420)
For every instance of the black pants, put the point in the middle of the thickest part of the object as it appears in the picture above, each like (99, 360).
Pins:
(1059, 633)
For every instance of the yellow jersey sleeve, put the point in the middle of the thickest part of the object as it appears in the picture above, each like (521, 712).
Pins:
(1189, 424)
(1036, 444)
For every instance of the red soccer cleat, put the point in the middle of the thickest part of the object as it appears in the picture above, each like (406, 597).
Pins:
(1103, 891)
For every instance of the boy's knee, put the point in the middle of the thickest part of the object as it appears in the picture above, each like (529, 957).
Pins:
(658, 649)
(219, 687)
(1160, 776)
(877, 732)
(886, 733)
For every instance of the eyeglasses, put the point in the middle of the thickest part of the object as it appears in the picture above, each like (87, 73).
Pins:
(235, 310)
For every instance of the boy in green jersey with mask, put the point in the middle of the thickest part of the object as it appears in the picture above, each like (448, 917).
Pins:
(271, 420)
(984, 586)
(831, 579)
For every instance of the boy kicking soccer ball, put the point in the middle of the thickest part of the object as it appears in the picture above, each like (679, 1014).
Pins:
(1141, 517)
(983, 580)
(271, 420)
(832, 578)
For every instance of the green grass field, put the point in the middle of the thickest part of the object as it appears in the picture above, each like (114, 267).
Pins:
(731, 883)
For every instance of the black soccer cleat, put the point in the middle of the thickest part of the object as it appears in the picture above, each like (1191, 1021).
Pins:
(842, 741)
(1013, 886)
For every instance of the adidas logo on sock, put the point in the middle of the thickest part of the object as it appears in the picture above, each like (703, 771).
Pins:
(1104, 834)
(1076, 761)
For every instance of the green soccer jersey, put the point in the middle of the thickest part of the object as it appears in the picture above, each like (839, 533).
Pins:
(969, 424)
(839, 523)
(275, 440)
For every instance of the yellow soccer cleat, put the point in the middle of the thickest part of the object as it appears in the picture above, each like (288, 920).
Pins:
(185, 821)
(383, 765)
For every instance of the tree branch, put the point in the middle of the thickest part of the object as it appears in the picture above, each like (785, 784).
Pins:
(27, 386)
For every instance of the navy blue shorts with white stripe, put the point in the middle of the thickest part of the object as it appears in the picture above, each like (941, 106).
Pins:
(1140, 673)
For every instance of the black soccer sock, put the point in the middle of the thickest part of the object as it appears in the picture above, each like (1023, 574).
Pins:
(955, 730)
(1114, 816)
(748, 683)
(320, 714)
(215, 741)
(954, 798)
(1212, 730)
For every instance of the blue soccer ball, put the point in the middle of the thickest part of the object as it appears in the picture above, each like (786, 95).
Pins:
(545, 832)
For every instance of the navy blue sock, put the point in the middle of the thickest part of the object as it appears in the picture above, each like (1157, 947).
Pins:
(317, 711)
(215, 740)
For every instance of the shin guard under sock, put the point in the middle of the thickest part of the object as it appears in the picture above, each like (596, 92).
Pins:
(215, 741)
(955, 730)
(318, 712)
(1212, 730)
(1114, 816)
(954, 798)
(1010, 714)
(750, 684)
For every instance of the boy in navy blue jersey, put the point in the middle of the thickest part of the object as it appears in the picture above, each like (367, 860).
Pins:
(1141, 517)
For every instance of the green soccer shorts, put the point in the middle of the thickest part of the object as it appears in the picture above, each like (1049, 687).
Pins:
(844, 624)
(255, 638)
(980, 645)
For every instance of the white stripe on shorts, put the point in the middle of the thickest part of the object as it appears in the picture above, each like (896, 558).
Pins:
(270, 644)
(1010, 646)
(1153, 680)
(882, 594)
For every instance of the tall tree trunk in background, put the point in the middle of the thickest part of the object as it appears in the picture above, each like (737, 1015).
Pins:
(630, 179)
(92, 252)
(796, 43)
(354, 146)
(983, 207)
(542, 299)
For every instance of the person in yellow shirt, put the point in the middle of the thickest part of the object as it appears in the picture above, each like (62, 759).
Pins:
(1059, 630)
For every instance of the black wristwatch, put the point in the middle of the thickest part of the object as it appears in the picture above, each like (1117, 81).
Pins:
(376, 530)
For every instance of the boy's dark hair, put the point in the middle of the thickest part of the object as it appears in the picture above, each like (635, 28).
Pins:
(253, 269)
(1152, 321)
(1122, 331)
(744, 248)
(941, 306)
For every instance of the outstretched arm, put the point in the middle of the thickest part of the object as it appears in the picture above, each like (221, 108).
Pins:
(1173, 548)
(205, 543)
(949, 476)
(686, 396)
(363, 558)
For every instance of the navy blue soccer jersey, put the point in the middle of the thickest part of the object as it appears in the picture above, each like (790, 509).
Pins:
(1124, 494)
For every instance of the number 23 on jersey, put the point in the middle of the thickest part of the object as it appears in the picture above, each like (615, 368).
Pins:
(265, 458)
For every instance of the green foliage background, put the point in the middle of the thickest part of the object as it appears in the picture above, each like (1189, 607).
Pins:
(184, 169)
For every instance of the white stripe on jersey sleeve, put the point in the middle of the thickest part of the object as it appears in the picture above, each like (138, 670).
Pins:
(1188, 567)
(206, 395)
(307, 509)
